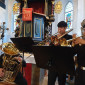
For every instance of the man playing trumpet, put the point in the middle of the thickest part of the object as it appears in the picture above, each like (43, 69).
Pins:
(52, 75)
(79, 49)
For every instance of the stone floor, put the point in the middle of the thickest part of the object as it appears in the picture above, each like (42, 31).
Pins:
(45, 80)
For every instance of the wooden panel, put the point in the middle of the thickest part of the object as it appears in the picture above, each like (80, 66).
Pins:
(26, 29)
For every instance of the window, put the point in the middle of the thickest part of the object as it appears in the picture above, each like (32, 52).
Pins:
(69, 14)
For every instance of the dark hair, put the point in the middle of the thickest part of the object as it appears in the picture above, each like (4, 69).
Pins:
(83, 26)
(62, 24)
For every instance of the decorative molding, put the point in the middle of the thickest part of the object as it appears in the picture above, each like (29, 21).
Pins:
(16, 8)
(58, 7)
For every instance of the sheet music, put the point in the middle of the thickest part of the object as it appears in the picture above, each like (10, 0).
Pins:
(29, 58)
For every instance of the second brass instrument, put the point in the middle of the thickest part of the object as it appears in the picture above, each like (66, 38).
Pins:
(69, 42)
(10, 65)
(10, 49)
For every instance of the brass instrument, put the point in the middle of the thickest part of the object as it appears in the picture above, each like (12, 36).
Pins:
(59, 41)
(42, 43)
(10, 65)
(56, 40)
(9, 48)
(69, 41)
(65, 33)
(73, 39)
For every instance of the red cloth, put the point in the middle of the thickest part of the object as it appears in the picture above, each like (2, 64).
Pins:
(37, 7)
(28, 72)
(27, 14)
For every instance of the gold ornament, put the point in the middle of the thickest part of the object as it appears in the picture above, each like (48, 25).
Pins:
(58, 7)
(16, 8)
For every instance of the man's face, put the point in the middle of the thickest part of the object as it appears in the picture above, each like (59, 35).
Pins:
(61, 30)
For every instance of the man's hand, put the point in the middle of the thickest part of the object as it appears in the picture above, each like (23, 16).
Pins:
(18, 58)
(1, 72)
(59, 35)
(74, 35)
(79, 41)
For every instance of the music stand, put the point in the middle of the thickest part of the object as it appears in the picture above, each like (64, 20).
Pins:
(24, 44)
(55, 58)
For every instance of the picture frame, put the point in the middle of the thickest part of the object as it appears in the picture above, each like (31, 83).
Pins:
(37, 28)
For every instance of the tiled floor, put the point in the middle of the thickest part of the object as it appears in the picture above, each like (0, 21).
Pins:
(45, 80)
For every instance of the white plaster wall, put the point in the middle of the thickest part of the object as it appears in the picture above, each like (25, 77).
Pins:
(75, 15)
(84, 9)
(2, 19)
(61, 16)
(78, 15)
(81, 15)
(9, 8)
(6, 16)
(2, 15)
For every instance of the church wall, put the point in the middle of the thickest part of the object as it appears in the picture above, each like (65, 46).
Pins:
(6, 15)
(2, 18)
(78, 15)
(9, 19)
(61, 16)
(2, 15)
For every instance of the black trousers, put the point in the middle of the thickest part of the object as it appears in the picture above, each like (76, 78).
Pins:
(20, 80)
(52, 75)
(80, 77)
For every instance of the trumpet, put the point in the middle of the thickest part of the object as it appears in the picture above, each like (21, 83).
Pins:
(65, 33)
(45, 40)
(74, 39)
(58, 41)
(69, 41)
(54, 39)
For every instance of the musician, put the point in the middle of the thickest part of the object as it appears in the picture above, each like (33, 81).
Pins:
(19, 80)
(79, 48)
(52, 75)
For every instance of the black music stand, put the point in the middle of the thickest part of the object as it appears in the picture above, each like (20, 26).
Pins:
(55, 58)
(24, 44)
